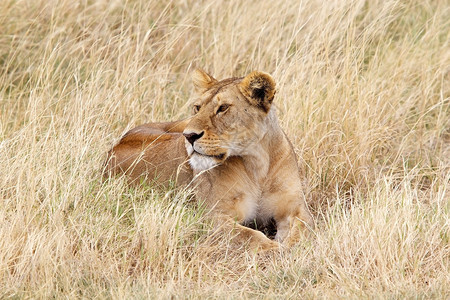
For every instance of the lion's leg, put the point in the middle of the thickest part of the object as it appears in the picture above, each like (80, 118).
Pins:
(291, 228)
(240, 234)
(292, 217)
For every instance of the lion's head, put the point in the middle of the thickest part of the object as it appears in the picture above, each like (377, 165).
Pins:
(229, 117)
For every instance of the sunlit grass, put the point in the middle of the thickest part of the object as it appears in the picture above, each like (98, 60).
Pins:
(363, 93)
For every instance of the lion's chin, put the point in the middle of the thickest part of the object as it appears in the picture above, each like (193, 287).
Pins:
(200, 162)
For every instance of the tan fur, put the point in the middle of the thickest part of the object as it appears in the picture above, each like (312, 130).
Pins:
(142, 153)
(243, 165)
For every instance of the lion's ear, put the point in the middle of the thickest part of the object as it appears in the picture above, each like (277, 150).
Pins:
(259, 89)
(202, 80)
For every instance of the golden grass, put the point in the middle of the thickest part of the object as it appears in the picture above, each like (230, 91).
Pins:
(363, 92)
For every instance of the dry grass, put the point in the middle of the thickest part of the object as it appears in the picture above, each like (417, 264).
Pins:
(363, 93)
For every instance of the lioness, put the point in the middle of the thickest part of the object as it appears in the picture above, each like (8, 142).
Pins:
(242, 163)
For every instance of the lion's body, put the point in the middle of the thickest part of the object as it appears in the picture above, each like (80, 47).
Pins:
(143, 152)
(243, 166)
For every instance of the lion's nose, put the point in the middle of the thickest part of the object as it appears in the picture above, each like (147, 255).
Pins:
(193, 136)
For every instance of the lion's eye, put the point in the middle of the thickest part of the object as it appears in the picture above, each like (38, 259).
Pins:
(222, 108)
(196, 108)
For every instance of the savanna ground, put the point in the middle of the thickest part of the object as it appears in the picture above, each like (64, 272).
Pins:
(363, 93)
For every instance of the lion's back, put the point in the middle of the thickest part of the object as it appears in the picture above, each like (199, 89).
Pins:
(149, 152)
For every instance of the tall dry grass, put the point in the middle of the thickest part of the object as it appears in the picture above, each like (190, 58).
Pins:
(363, 92)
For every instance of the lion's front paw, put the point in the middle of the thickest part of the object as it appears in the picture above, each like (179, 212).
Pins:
(269, 245)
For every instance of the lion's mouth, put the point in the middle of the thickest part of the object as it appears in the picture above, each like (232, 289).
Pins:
(218, 157)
